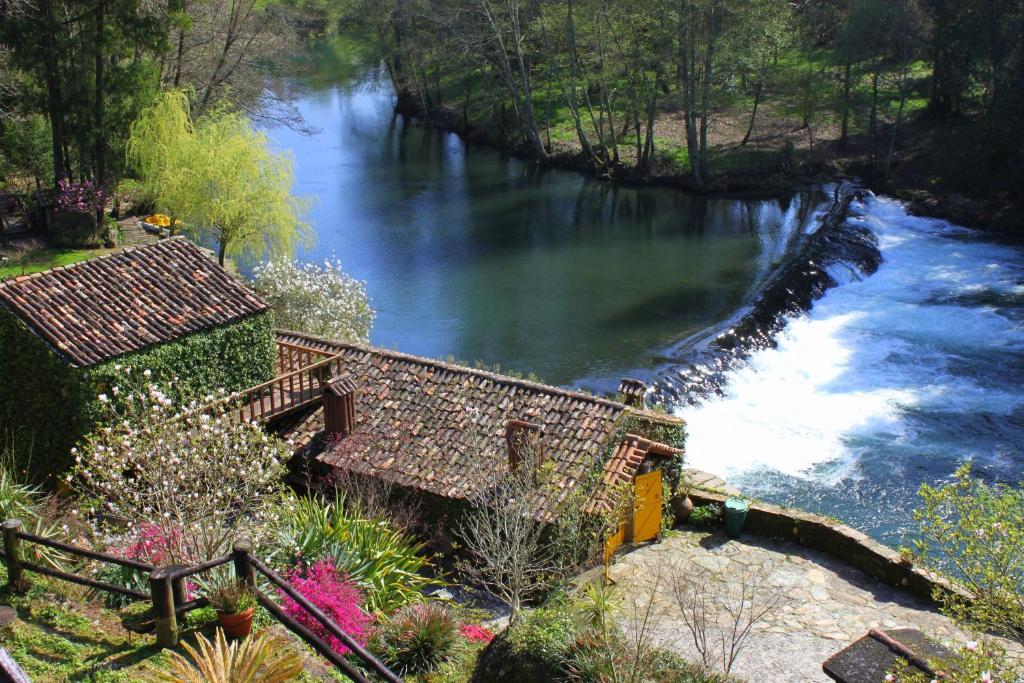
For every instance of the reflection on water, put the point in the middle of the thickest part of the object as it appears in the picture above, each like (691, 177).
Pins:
(473, 254)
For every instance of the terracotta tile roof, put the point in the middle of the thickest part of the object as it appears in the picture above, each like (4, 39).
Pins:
(95, 310)
(437, 427)
(623, 465)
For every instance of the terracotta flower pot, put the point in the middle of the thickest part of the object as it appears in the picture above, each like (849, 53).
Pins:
(236, 625)
(682, 506)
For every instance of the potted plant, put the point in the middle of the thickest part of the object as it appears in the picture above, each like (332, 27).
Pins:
(682, 504)
(235, 605)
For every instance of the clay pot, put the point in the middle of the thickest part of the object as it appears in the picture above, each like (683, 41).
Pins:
(682, 506)
(236, 625)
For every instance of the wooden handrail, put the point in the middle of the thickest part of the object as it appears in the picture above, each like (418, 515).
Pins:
(314, 641)
(168, 597)
(84, 552)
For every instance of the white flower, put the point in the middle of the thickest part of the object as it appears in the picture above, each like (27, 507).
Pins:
(986, 677)
(972, 645)
(147, 373)
(103, 398)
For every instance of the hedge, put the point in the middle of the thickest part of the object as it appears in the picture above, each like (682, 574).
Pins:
(46, 406)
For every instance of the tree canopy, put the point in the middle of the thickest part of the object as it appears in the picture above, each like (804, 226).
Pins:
(220, 177)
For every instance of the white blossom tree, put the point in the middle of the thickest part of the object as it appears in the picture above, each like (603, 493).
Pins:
(200, 476)
(319, 299)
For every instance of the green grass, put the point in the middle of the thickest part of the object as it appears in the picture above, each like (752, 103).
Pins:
(44, 259)
(61, 635)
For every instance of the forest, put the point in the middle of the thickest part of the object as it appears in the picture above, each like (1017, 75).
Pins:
(920, 98)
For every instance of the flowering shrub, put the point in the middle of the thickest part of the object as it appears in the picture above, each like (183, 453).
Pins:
(974, 532)
(338, 598)
(475, 633)
(202, 477)
(418, 638)
(78, 196)
(319, 299)
(149, 543)
(973, 661)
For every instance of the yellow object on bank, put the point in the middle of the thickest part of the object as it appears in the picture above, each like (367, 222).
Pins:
(160, 220)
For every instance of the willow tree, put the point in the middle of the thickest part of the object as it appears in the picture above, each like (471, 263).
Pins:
(220, 177)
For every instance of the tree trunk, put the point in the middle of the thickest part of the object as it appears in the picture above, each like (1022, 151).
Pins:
(177, 59)
(844, 129)
(54, 102)
(222, 252)
(100, 148)
(753, 116)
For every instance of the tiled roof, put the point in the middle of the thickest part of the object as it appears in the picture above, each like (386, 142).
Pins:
(95, 310)
(623, 465)
(438, 427)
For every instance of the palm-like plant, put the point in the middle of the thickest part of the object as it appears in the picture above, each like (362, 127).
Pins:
(380, 559)
(259, 658)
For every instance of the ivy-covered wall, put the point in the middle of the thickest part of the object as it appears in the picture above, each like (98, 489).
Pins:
(46, 406)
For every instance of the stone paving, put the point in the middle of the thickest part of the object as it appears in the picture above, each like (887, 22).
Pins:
(823, 604)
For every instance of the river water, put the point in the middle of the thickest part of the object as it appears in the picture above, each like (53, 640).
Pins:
(889, 381)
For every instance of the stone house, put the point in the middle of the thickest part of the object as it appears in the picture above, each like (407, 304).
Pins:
(68, 334)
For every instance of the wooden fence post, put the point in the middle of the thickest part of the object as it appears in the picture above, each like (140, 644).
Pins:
(240, 553)
(12, 549)
(162, 592)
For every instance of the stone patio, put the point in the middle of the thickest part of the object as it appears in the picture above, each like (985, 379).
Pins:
(823, 604)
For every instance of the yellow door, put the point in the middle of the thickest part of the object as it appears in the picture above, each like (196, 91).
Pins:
(647, 510)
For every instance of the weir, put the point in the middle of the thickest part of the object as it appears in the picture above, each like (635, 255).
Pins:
(695, 368)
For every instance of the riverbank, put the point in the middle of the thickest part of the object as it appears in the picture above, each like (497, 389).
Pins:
(932, 182)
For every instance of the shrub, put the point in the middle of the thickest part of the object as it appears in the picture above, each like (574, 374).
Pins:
(386, 563)
(532, 648)
(338, 598)
(318, 299)
(975, 533)
(262, 659)
(148, 543)
(705, 515)
(207, 477)
(418, 638)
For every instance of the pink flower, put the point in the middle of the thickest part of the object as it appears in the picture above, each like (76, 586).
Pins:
(476, 634)
(972, 645)
(889, 678)
(986, 677)
(337, 597)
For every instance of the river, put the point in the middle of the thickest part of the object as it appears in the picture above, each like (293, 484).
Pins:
(889, 381)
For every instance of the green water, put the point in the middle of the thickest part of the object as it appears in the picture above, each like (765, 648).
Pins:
(472, 254)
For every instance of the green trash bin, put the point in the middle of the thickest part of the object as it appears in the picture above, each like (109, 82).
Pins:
(735, 515)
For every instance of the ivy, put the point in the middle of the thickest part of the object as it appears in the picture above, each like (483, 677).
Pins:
(47, 406)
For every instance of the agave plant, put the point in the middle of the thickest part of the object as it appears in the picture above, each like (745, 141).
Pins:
(17, 501)
(259, 658)
(419, 638)
(384, 562)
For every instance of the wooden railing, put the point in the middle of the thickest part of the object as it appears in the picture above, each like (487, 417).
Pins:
(169, 596)
(292, 357)
(284, 394)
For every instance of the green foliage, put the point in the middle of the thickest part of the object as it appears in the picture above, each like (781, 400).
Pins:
(49, 404)
(220, 177)
(974, 532)
(25, 152)
(418, 638)
(384, 562)
(532, 648)
(579, 641)
(227, 594)
(706, 515)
